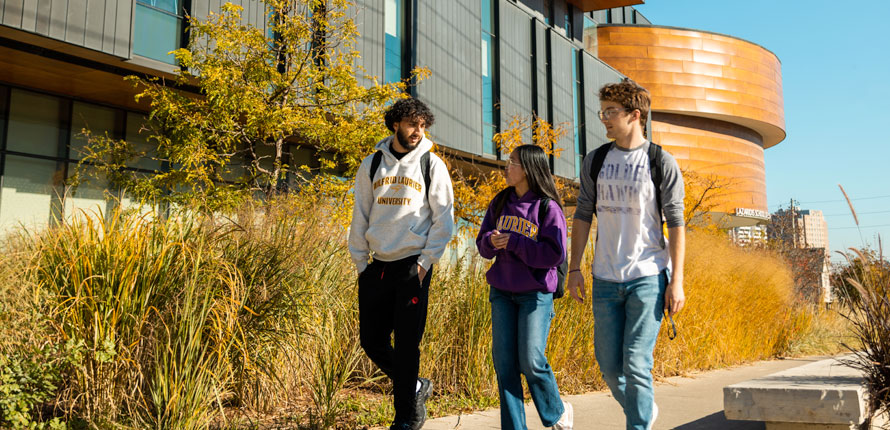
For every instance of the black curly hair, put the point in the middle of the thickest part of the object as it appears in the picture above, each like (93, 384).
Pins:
(408, 108)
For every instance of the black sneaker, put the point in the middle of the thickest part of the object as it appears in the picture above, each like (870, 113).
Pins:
(426, 389)
(400, 426)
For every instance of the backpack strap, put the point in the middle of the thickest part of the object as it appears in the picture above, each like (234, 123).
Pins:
(599, 157)
(425, 169)
(655, 171)
(375, 163)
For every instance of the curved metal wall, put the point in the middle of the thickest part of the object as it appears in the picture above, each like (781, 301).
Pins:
(716, 100)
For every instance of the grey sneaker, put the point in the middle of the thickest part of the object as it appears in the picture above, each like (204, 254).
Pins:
(420, 412)
(568, 416)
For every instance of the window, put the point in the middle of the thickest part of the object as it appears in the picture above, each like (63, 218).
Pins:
(41, 146)
(489, 78)
(578, 109)
(140, 143)
(568, 20)
(98, 119)
(158, 29)
(589, 34)
(34, 126)
(26, 197)
(548, 12)
(394, 22)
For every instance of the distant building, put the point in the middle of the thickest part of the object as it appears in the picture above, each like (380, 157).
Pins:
(804, 234)
(801, 228)
(750, 235)
(813, 229)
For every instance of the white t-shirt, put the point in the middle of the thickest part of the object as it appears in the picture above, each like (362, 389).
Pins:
(630, 243)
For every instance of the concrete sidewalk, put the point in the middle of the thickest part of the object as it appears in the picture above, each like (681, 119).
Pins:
(694, 403)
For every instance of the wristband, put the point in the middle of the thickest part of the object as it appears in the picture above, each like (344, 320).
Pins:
(575, 270)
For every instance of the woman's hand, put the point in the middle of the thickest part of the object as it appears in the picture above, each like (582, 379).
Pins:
(499, 240)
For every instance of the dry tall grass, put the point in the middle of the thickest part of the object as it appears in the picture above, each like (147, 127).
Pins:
(226, 323)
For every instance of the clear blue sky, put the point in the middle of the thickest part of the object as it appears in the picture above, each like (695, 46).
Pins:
(836, 81)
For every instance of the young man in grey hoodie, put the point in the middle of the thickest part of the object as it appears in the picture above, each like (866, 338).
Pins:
(401, 222)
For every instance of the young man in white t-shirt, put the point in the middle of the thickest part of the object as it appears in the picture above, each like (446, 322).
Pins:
(637, 271)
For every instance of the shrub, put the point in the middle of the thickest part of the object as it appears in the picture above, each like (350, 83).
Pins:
(869, 316)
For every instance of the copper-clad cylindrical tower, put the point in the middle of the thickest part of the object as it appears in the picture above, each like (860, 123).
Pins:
(716, 101)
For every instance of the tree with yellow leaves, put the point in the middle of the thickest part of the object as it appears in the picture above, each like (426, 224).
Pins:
(243, 96)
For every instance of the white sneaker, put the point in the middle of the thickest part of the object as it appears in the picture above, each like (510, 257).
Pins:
(654, 416)
(565, 421)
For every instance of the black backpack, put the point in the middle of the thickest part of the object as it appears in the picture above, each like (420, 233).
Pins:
(561, 270)
(424, 168)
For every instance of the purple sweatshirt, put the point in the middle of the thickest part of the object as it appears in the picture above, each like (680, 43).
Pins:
(535, 248)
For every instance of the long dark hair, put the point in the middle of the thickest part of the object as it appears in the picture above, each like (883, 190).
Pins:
(537, 171)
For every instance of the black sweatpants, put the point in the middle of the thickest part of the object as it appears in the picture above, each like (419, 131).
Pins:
(393, 301)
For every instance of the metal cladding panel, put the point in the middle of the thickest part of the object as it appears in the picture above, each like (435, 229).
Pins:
(108, 24)
(122, 29)
(449, 43)
(12, 12)
(201, 8)
(369, 20)
(43, 10)
(515, 65)
(641, 19)
(58, 18)
(617, 15)
(255, 14)
(541, 68)
(599, 16)
(101, 25)
(29, 17)
(75, 28)
(596, 74)
(95, 23)
(563, 103)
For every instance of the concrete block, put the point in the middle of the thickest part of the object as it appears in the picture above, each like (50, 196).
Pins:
(825, 392)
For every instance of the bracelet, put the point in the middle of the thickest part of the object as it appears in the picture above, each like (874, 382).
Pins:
(575, 270)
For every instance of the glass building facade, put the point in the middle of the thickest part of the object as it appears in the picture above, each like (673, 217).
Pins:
(41, 143)
(157, 29)
(489, 78)
(394, 36)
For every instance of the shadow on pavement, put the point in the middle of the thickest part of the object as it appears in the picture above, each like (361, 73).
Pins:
(718, 421)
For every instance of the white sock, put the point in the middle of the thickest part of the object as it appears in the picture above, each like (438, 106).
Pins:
(417, 390)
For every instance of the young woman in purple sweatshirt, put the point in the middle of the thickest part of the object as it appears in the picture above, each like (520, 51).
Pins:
(527, 251)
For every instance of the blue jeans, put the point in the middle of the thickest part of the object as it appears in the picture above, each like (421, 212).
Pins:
(520, 324)
(627, 316)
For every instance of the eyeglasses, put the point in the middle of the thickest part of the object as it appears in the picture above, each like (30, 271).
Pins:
(610, 112)
(510, 162)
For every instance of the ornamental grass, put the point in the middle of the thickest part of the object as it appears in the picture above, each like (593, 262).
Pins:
(251, 321)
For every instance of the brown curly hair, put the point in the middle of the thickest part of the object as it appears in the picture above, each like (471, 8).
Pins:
(629, 94)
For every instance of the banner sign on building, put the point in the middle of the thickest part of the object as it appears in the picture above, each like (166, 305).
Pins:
(751, 213)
